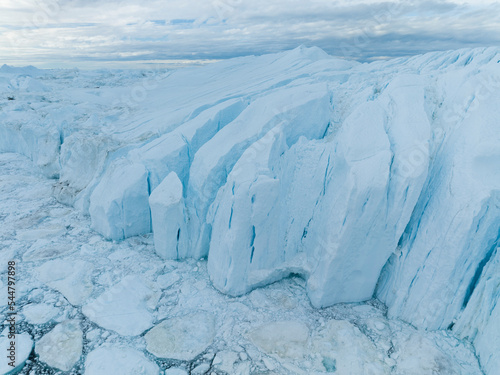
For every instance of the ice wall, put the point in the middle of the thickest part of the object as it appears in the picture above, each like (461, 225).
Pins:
(314, 206)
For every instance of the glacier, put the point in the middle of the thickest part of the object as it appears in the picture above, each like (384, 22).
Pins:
(366, 180)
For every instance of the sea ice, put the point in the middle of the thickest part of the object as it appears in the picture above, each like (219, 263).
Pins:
(71, 278)
(108, 360)
(182, 338)
(125, 307)
(62, 347)
(286, 338)
(40, 313)
(23, 347)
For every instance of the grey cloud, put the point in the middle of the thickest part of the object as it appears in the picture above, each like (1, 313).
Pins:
(362, 32)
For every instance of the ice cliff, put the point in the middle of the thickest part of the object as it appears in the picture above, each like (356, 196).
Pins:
(378, 179)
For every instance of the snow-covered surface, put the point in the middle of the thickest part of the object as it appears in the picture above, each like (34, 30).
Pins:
(250, 334)
(366, 180)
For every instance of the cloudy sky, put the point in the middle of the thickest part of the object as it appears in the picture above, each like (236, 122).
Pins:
(131, 33)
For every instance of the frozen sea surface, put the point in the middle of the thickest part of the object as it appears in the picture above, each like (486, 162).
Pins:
(92, 306)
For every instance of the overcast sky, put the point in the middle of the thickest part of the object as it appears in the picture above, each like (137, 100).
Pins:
(131, 33)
